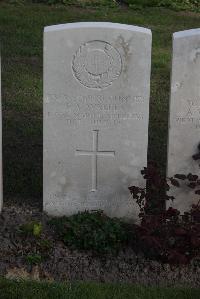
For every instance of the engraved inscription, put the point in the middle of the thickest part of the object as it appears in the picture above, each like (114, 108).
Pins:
(97, 64)
(191, 114)
(96, 109)
(99, 99)
(94, 154)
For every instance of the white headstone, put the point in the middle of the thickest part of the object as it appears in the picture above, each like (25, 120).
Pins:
(184, 122)
(96, 111)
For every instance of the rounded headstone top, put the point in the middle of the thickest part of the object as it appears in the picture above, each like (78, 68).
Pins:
(97, 25)
(186, 33)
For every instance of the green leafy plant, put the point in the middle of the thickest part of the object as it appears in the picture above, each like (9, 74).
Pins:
(92, 231)
(44, 245)
(36, 247)
(34, 259)
(31, 228)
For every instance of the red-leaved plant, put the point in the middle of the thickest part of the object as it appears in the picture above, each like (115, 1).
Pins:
(165, 234)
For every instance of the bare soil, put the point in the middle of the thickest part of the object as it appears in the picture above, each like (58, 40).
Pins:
(62, 263)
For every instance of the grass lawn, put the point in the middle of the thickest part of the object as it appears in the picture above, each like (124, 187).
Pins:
(21, 31)
(33, 290)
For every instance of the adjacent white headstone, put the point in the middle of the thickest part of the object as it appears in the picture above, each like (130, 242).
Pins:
(96, 112)
(184, 122)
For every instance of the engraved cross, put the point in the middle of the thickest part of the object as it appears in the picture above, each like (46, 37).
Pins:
(94, 154)
(96, 62)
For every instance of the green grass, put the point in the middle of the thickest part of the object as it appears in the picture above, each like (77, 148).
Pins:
(33, 290)
(21, 31)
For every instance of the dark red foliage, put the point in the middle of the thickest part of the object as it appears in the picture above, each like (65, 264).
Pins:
(196, 156)
(175, 257)
(180, 176)
(174, 182)
(192, 185)
(171, 213)
(191, 177)
(195, 213)
(166, 234)
(169, 237)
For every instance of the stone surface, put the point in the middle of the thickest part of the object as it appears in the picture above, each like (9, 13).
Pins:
(184, 122)
(96, 111)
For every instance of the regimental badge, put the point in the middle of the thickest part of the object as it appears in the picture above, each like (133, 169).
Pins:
(96, 64)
